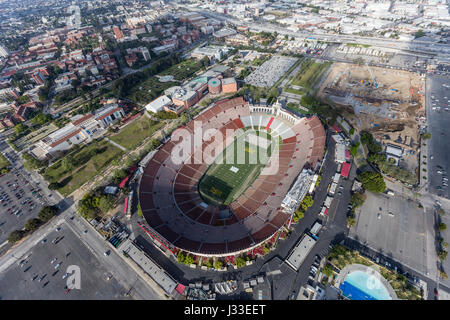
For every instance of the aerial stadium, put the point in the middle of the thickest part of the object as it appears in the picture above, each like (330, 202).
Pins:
(222, 208)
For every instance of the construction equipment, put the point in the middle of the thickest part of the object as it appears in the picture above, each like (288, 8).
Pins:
(372, 76)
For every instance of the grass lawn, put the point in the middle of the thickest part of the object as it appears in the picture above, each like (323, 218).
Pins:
(149, 90)
(133, 134)
(310, 73)
(295, 91)
(152, 88)
(183, 70)
(89, 161)
(3, 161)
(297, 109)
(224, 182)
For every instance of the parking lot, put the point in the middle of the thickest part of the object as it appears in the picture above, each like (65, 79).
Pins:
(438, 113)
(396, 228)
(270, 71)
(39, 273)
(20, 200)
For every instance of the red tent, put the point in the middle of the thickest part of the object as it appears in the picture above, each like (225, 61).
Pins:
(347, 154)
(180, 288)
(125, 207)
(345, 169)
(124, 181)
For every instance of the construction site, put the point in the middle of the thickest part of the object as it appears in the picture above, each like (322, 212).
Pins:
(388, 103)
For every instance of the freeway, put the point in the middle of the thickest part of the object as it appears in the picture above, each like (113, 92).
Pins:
(418, 46)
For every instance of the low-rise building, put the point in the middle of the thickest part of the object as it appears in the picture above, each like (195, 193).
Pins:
(229, 85)
(81, 129)
(181, 98)
(109, 115)
(166, 48)
(237, 39)
(159, 104)
(339, 155)
(61, 140)
(223, 33)
(210, 52)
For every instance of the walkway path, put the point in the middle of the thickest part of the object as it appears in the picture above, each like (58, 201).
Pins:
(116, 144)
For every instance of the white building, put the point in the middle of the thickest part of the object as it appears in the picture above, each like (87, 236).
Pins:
(109, 114)
(60, 140)
(339, 155)
(300, 252)
(297, 191)
(4, 53)
(81, 129)
(159, 104)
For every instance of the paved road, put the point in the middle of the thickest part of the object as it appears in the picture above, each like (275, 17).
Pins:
(116, 144)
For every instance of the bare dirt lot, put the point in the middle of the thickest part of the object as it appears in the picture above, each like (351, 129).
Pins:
(388, 103)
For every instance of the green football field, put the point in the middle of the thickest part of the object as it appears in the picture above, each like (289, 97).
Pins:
(224, 182)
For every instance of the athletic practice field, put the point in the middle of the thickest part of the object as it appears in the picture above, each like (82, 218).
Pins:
(229, 176)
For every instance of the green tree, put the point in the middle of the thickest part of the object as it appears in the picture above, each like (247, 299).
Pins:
(240, 262)
(23, 99)
(139, 211)
(181, 257)
(20, 129)
(357, 199)
(308, 201)
(426, 136)
(32, 224)
(31, 162)
(68, 163)
(369, 141)
(442, 226)
(307, 101)
(299, 214)
(106, 203)
(41, 118)
(88, 206)
(189, 260)
(354, 149)
(47, 213)
(372, 181)
(54, 185)
(328, 271)
(15, 236)
(119, 174)
(419, 34)
(351, 221)
(442, 254)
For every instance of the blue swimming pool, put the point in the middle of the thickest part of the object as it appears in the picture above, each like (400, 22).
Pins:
(359, 285)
